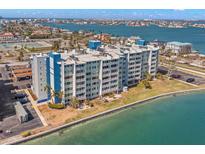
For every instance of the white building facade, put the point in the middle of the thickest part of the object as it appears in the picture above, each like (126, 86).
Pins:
(99, 72)
(179, 47)
(39, 76)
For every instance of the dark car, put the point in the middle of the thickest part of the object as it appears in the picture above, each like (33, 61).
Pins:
(176, 76)
(190, 80)
(28, 86)
(23, 100)
(162, 71)
(20, 95)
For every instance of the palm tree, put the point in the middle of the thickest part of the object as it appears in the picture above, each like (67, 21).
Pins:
(54, 93)
(171, 67)
(15, 47)
(148, 76)
(21, 55)
(56, 45)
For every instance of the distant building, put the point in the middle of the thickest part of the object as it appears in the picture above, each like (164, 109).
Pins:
(103, 37)
(133, 39)
(179, 47)
(141, 42)
(6, 36)
(94, 44)
(95, 73)
(40, 34)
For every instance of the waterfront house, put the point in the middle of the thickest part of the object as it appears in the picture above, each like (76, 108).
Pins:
(179, 47)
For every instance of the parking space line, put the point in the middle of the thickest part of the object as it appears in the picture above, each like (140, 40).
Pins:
(187, 83)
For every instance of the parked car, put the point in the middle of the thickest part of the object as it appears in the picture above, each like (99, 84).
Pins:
(23, 100)
(28, 86)
(8, 131)
(162, 71)
(190, 80)
(10, 75)
(176, 76)
(20, 95)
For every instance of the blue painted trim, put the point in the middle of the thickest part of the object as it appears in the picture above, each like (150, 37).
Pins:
(94, 44)
(56, 70)
(42, 100)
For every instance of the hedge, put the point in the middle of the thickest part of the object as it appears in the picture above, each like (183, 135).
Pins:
(56, 106)
(26, 133)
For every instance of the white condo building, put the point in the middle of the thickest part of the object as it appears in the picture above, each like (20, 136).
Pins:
(39, 77)
(94, 73)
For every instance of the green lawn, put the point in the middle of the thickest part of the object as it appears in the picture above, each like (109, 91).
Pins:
(134, 94)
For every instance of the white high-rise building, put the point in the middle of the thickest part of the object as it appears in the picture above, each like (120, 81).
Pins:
(39, 76)
(98, 72)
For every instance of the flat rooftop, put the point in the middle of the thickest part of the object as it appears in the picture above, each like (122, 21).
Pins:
(179, 43)
(23, 70)
(19, 108)
(104, 53)
(20, 75)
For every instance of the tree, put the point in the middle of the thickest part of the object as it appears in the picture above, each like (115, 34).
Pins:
(32, 49)
(171, 67)
(56, 45)
(146, 84)
(65, 37)
(87, 102)
(78, 47)
(159, 76)
(15, 47)
(148, 76)
(75, 102)
(54, 93)
(21, 55)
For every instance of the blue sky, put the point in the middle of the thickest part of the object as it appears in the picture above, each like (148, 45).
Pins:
(105, 13)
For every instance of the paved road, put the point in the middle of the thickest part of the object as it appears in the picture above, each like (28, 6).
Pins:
(189, 70)
(184, 76)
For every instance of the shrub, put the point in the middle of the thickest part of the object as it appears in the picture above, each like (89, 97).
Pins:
(91, 105)
(146, 84)
(26, 133)
(159, 76)
(56, 106)
(148, 76)
(75, 102)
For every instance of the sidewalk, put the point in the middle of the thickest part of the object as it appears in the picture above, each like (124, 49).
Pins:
(193, 71)
(34, 104)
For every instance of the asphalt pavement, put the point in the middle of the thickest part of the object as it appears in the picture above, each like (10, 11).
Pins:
(184, 76)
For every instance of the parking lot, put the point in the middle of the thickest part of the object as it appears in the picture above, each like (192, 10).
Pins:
(184, 76)
(15, 127)
(6, 97)
(9, 123)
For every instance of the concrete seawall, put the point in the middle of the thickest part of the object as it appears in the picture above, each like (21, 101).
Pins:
(100, 115)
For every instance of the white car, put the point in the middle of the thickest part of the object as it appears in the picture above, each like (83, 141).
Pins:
(8, 131)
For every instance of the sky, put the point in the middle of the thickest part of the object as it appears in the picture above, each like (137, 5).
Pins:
(193, 14)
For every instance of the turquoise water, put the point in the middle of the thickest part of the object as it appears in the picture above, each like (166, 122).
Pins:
(171, 120)
(196, 36)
